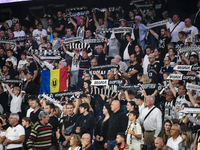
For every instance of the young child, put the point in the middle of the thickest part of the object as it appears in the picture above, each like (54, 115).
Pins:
(26, 123)
(134, 131)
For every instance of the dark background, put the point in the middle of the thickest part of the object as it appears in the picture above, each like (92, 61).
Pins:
(186, 8)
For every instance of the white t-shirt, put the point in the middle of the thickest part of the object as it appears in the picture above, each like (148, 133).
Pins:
(193, 29)
(145, 64)
(174, 143)
(39, 34)
(28, 113)
(15, 105)
(13, 133)
(19, 34)
(13, 60)
(135, 142)
(174, 34)
(22, 63)
(2, 133)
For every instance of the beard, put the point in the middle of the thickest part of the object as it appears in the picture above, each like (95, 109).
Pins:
(119, 144)
(192, 62)
(131, 61)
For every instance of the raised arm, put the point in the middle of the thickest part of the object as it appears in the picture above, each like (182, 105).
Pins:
(154, 34)
(106, 16)
(94, 16)
(9, 90)
(191, 98)
(171, 86)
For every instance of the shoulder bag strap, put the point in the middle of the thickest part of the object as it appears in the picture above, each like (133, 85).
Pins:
(149, 113)
(175, 26)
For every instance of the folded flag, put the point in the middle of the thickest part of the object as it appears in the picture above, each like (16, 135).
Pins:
(53, 81)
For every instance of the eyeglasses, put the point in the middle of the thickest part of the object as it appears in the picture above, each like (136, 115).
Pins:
(173, 129)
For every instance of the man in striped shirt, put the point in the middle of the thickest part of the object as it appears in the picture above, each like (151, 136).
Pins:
(41, 133)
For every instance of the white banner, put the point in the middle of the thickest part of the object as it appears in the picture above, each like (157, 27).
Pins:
(99, 82)
(190, 110)
(50, 57)
(181, 77)
(183, 67)
(191, 86)
(191, 48)
(175, 77)
(186, 68)
(192, 39)
(156, 24)
(115, 30)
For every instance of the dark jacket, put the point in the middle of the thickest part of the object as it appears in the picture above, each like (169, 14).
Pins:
(101, 130)
(124, 43)
(86, 123)
(117, 123)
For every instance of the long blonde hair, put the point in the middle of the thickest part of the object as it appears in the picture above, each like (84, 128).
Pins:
(189, 139)
(146, 79)
(87, 101)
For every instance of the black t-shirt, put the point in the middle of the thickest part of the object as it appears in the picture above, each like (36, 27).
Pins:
(153, 72)
(57, 25)
(178, 45)
(2, 60)
(101, 58)
(31, 88)
(137, 67)
(32, 67)
(139, 57)
(12, 73)
(160, 61)
(54, 123)
(159, 8)
(34, 116)
(4, 101)
(69, 120)
(162, 44)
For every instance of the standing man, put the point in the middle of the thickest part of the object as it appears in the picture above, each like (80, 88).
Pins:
(35, 104)
(197, 16)
(151, 120)
(39, 33)
(117, 123)
(133, 70)
(153, 69)
(175, 27)
(15, 135)
(101, 23)
(85, 122)
(190, 29)
(53, 121)
(68, 121)
(41, 133)
(163, 40)
(60, 24)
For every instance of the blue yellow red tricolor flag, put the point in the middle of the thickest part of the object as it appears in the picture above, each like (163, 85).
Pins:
(53, 81)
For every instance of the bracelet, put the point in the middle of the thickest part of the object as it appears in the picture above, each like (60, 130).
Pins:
(83, 147)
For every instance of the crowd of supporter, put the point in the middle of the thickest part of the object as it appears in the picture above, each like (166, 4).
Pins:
(127, 116)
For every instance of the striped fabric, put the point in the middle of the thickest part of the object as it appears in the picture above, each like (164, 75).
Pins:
(40, 136)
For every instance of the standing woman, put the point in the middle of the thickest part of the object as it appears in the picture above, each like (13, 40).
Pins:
(165, 133)
(16, 102)
(140, 31)
(102, 127)
(75, 142)
(187, 143)
(139, 54)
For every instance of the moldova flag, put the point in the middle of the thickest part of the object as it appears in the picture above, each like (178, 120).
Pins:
(53, 81)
